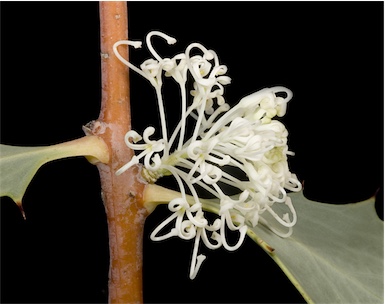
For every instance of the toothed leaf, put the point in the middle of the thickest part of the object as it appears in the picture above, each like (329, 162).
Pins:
(18, 165)
(335, 254)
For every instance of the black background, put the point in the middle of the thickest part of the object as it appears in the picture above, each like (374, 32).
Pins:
(330, 54)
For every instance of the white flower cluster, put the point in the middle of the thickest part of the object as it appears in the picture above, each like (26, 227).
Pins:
(241, 149)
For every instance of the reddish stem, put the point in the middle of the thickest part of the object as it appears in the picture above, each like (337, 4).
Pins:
(122, 195)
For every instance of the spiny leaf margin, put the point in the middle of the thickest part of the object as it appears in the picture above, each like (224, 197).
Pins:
(335, 254)
(18, 165)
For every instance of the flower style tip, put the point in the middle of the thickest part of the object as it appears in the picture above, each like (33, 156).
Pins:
(243, 148)
(169, 39)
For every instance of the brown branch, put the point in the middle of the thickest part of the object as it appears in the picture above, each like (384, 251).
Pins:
(122, 195)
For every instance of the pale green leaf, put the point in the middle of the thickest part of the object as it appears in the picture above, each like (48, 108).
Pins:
(18, 165)
(335, 254)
